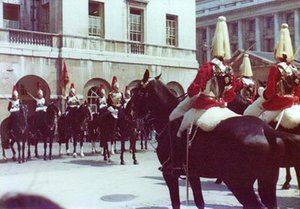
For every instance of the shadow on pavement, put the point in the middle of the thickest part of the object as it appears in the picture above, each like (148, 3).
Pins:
(152, 207)
(208, 206)
(288, 202)
(94, 163)
(205, 184)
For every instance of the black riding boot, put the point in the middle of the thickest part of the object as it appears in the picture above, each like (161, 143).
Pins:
(174, 164)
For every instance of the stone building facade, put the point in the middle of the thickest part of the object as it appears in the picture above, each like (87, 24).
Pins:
(250, 22)
(96, 39)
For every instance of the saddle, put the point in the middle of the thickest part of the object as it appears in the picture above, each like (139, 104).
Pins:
(213, 116)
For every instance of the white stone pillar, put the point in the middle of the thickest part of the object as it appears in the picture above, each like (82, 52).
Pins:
(276, 27)
(258, 32)
(1, 14)
(296, 29)
(208, 42)
(240, 34)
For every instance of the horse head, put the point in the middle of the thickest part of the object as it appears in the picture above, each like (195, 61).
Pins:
(22, 117)
(52, 115)
(152, 96)
(85, 113)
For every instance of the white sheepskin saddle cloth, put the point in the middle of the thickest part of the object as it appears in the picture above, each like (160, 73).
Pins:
(213, 116)
(290, 118)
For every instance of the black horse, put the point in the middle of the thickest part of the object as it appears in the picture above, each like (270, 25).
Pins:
(238, 105)
(43, 126)
(74, 124)
(14, 129)
(63, 134)
(126, 127)
(240, 150)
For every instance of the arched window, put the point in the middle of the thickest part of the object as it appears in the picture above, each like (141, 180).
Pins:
(92, 97)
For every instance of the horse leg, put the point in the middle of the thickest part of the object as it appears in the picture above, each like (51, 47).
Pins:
(81, 146)
(197, 191)
(111, 147)
(19, 151)
(133, 150)
(173, 186)
(67, 147)
(59, 149)
(3, 154)
(23, 150)
(36, 152)
(267, 187)
(122, 152)
(28, 149)
(288, 179)
(105, 150)
(93, 147)
(50, 147)
(74, 146)
(244, 193)
(146, 144)
(13, 150)
(297, 171)
(45, 148)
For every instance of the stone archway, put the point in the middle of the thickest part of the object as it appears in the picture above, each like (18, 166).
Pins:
(27, 86)
(175, 88)
(90, 89)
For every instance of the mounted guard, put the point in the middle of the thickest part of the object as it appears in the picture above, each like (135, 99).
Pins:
(115, 98)
(72, 101)
(40, 100)
(127, 96)
(279, 101)
(245, 85)
(101, 101)
(13, 107)
(208, 94)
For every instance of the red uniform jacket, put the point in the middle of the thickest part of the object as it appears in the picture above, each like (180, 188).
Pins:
(275, 102)
(205, 73)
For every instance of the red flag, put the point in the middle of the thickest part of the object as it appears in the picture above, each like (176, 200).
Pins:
(65, 76)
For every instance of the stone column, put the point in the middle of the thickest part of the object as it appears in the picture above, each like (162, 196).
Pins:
(276, 27)
(240, 34)
(208, 42)
(1, 14)
(258, 32)
(296, 29)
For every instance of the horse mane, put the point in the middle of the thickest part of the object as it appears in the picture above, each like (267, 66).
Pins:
(167, 99)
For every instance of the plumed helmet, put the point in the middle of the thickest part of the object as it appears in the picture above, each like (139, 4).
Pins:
(284, 48)
(39, 89)
(127, 92)
(220, 42)
(72, 88)
(102, 90)
(245, 68)
(114, 83)
(15, 91)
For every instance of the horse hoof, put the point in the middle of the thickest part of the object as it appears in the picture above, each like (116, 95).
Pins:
(50, 158)
(135, 162)
(19, 161)
(122, 163)
(45, 158)
(37, 156)
(74, 155)
(109, 160)
(68, 154)
(286, 186)
(14, 158)
(5, 158)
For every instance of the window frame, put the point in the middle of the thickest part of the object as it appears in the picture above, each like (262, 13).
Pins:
(96, 25)
(171, 30)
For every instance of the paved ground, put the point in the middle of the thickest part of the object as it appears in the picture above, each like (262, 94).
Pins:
(89, 182)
